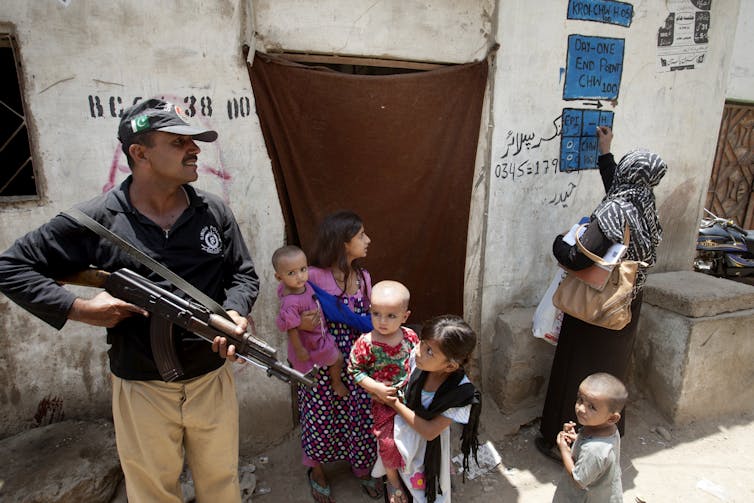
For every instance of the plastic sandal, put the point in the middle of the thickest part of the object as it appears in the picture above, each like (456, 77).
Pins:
(395, 495)
(370, 488)
(323, 491)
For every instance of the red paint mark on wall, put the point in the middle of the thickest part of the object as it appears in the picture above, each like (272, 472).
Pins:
(219, 173)
(115, 167)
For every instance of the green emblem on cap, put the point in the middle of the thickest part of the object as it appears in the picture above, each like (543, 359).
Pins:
(140, 123)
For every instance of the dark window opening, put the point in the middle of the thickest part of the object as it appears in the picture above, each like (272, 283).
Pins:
(359, 65)
(17, 178)
(365, 70)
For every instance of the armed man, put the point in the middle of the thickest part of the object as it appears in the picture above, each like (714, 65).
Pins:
(195, 235)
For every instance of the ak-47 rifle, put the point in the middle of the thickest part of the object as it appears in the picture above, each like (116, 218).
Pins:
(168, 309)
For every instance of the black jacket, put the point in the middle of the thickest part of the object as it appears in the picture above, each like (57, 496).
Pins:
(204, 246)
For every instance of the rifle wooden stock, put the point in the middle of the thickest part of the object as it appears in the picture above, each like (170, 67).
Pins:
(167, 310)
(88, 277)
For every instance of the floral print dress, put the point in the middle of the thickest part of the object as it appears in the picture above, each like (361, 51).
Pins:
(388, 365)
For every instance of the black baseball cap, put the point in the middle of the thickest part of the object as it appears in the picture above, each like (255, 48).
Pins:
(159, 115)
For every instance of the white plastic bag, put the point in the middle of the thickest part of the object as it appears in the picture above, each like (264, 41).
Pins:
(548, 318)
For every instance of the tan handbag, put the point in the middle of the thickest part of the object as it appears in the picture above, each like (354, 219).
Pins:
(608, 308)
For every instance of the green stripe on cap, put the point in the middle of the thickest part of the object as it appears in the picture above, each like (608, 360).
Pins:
(140, 123)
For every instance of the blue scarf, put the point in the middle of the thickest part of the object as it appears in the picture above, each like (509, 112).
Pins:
(336, 311)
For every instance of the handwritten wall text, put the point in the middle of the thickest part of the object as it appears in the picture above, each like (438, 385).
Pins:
(602, 11)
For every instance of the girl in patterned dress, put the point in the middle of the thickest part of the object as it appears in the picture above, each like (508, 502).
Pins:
(379, 364)
(335, 428)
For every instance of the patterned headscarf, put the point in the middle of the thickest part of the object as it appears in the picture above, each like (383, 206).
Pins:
(631, 199)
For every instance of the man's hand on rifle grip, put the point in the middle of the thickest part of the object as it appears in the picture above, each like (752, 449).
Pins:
(103, 310)
(220, 344)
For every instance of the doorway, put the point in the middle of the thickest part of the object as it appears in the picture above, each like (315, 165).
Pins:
(397, 148)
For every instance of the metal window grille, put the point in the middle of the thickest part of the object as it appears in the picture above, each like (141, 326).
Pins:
(17, 178)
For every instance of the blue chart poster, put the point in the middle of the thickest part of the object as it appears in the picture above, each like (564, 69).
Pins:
(578, 143)
(594, 67)
(601, 11)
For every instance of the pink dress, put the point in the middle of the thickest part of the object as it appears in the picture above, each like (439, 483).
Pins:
(319, 343)
(334, 428)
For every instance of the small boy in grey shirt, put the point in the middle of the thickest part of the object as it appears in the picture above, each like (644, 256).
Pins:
(592, 457)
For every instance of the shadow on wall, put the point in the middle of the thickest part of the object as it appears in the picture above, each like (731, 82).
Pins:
(679, 228)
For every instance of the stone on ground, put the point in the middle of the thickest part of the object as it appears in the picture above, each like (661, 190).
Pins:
(65, 462)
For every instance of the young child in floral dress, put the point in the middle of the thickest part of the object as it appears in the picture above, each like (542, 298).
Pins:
(379, 364)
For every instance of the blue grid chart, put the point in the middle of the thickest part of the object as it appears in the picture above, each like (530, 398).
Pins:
(578, 142)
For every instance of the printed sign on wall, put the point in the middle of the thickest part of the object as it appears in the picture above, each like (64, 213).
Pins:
(593, 68)
(578, 143)
(682, 41)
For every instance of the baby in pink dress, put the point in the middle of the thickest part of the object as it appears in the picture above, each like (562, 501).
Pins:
(305, 348)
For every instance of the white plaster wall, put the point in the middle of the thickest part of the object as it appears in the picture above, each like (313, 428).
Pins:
(126, 50)
(741, 83)
(450, 31)
(676, 114)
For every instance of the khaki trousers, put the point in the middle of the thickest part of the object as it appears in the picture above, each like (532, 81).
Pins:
(157, 422)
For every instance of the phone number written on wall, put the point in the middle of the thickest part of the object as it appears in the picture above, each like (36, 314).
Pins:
(510, 170)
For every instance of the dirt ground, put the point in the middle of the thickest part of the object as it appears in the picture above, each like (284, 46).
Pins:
(707, 461)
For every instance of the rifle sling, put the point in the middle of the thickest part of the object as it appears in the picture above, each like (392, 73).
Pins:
(147, 261)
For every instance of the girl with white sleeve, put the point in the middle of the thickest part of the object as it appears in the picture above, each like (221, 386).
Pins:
(438, 393)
